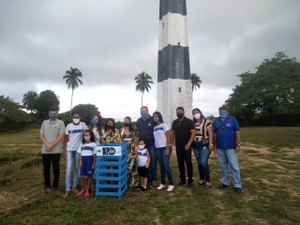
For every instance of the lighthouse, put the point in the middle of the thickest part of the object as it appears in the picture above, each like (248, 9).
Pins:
(174, 77)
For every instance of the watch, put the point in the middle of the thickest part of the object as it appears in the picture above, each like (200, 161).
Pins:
(238, 145)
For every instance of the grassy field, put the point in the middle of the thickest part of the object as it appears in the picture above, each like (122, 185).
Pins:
(270, 170)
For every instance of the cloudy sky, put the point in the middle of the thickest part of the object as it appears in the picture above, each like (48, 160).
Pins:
(112, 41)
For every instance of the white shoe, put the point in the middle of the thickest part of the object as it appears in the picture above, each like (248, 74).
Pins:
(161, 186)
(170, 188)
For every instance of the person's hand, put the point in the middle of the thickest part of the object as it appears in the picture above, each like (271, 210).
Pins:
(49, 147)
(93, 166)
(237, 149)
(211, 147)
(167, 151)
(187, 147)
(80, 163)
(215, 149)
(147, 165)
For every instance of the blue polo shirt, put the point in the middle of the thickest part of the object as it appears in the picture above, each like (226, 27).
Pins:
(145, 128)
(225, 131)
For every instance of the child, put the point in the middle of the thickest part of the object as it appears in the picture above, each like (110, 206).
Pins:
(143, 158)
(87, 152)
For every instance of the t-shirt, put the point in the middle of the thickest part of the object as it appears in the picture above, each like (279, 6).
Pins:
(201, 129)
(51, 130)
(146, 130)
(225, 131)
(142, 157)
(159, 133)
(75, 135)
(182, 129)
(87, 149)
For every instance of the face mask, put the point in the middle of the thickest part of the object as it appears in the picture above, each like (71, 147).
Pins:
(94, 121)
(126, 124)
(87, 138)
(179, 115)
(144, 114)
(109, 127)
(223, 114)
(141, 146)
(52, 116)
(76, 121)
(197, 116)
(155, 119)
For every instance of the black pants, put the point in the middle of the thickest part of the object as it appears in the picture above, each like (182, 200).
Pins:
(47, 160)
(184, 156)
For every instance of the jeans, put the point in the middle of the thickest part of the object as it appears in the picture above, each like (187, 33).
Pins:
(184, 156)
(202, 154)
(163, 160)
(72, 156)
(153, 161)
(229, 156)
(47, 160)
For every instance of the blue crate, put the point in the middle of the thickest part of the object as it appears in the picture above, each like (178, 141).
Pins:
(111, 169)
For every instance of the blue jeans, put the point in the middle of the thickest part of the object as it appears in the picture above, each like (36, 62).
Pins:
(229, 156)
(72, 156)
(153, 161)
(202, 154)
(163, 160)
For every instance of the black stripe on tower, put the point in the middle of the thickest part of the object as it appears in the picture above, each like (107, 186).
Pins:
(172, 6)
(174, 63)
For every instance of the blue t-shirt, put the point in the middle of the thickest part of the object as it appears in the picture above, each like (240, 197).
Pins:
(225, 131)
(145, 128)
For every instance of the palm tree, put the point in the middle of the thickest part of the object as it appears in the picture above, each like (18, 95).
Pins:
(195, 79)
(29, 100)
(143, 81)
(73, 81)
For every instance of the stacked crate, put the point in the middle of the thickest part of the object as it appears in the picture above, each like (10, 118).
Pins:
(111, 169)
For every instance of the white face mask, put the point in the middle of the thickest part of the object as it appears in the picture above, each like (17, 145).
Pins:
(76, 121)
(197, 116)
(87, 138)
(141, 146)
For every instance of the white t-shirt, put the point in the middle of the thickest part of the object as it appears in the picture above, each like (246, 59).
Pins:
(160, 138)
(87, 149)
(142, 157)
(75, 133)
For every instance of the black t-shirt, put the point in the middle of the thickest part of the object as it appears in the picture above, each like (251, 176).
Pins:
(182, 130)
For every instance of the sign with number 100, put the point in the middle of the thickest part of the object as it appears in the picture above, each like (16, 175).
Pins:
(109, 150)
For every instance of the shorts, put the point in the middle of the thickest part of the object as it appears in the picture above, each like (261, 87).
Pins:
(143, 171)
(86, 168)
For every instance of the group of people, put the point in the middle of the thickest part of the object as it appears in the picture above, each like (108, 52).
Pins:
(78, 144)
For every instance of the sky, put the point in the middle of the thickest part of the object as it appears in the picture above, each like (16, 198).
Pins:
(111, 42)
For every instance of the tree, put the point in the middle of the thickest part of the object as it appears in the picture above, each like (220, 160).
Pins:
(269, 96)
(44, 101)
(29, 100)
(196, 81)
(143, 81)
(72, 78)
(12, 116)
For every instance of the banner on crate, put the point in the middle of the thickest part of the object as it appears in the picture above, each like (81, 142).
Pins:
(109, 150)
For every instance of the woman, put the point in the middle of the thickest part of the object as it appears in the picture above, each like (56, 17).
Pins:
(203, 145)
(163, 150)
(111, 134)
(96, 128)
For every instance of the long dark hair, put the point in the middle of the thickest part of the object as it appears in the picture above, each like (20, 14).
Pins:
(91, 134)
(114, 124)
(159, 116)
(130, 124)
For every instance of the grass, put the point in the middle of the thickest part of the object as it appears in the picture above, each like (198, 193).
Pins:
(269, 163)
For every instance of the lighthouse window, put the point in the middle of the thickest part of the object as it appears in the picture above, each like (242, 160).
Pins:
(179, 89)
(178, 43)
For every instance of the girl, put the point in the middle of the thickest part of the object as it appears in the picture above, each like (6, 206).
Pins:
(111, 134)
(96, 127)
(163, 150)
(87, 152)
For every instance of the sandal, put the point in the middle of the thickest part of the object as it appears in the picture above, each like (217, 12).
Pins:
(207, 184)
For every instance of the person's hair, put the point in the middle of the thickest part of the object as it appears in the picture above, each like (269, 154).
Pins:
(145, 108)
(143, 140)
(130, 124)
(99, 126)
(224, 107)
(73, 113)
(109, 119)
(180, 108)
(159, 116)
(91, 134)
(127, 117)
(197, 109)
(53, 108)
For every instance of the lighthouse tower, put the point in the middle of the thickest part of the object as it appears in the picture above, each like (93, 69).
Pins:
(174, 77)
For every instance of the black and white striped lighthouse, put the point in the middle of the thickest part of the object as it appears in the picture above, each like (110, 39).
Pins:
(174, 77)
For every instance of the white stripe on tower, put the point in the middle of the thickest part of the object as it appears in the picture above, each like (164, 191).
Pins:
(174, 84)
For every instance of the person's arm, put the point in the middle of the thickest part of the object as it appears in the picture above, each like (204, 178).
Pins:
(148, 159)
(65, 145)
(192, 137)
(58, 139)
(211, 140)
(237, 139)
(94, 161)
(168, 142)
(44, 140)
(215, 142)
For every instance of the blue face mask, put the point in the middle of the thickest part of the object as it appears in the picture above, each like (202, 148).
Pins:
(223, 114)
(94, 121)
(52, 116)
(144, 114)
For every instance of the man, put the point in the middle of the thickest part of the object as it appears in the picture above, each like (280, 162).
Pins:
(184, 131)
(52, 134)
(227, 145)
(73, 139)
(145, 127)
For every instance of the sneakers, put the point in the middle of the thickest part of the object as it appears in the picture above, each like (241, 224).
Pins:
(47, 190)
(201, 182)
(238, 190)
(170, 188)
(181, 183)
(86, 194)
(161, 186)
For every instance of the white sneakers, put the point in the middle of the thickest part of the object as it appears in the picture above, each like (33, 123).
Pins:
(170, 187)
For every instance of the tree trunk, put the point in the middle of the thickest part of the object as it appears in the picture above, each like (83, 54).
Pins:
(71, 105)
(142, 99)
